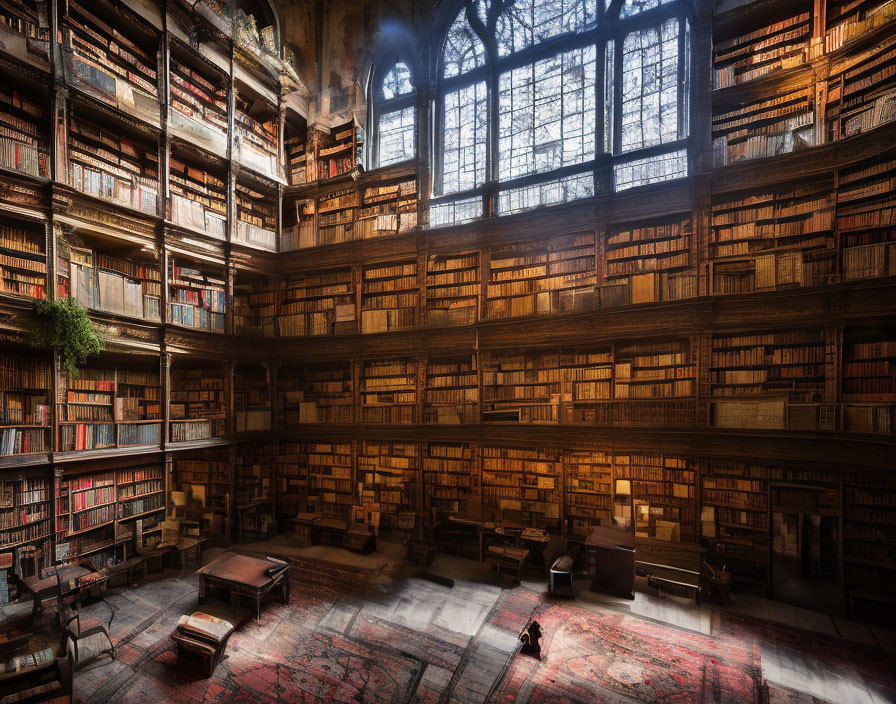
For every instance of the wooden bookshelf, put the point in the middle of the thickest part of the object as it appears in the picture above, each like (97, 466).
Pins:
(451, 391)
(319, 303)
(251, 398)
(198, 198)
(297, 164)
(585, 385)
(735, 520)
(24, 143)
(130, 287)
(299, 229)
(758, 128)
(387, 209)
(255, 305)
(451, 478)
(25, 390)
(196, 297)
(779, 45)
(654, 260)
(198, 403)
(256, 129)
(206, 480)
(290, 481)
(335, 217)
(106, 57)
(588, 490)
(389, 476)
(330, 472)
(521, 388)
(96, 511)
(197, 111)
(662, 491)
(849, 21)
(338, 150)
(389, 391)
(453, 289)
(254, 472)
(104, 164)
(256, 218)
(869, 381)
(539, 278)
(316, 394)
(781, 373)
(109, 406)
(26, 519)
(866, 219)
(522, 485)
(390, 295)
(23, 260)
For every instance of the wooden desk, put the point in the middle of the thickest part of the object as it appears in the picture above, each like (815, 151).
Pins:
(44, 589)
(244, 576)
(614, 554)
(329, 531)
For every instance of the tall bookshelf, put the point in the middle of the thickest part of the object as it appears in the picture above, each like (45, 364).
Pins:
(128, 286)
(318, 303)
(97, 510)
(662, 488)
(196, 296)
(451, 478)
(453, 289)
(539, 278)
(24, 144)
(197, 195)
(290, 480)
(105, 164)
(254, 500)
(390, 297)
(654, 260)
(585, 384)
(23, 260)
(588, 490)
(26, 392)
(256, 216)
(387, 209)
(521, 388)
(256, 127)
(772, 380)
(205, 479)
(522, 485)
(316, 394)
(26, 521)
(335, 212)
(869, 381)
(197, 110)
(251, 398)
(254, 305)
(330, 472)
(389, 391)
(111, 56)
(389, 476)
(338, 150)
(451, 391)
(866, 219)
(198, 402)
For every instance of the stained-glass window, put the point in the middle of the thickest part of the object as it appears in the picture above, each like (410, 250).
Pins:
(528, 22)
(650, 86)
(546, 114)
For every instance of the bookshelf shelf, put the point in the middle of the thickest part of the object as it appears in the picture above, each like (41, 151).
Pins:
(198, 403)
(329, 468)
(390, 296)
(389, 391)
(389, 475)
(196, 297)
(451, 391)
(318, 394)
(318, 304)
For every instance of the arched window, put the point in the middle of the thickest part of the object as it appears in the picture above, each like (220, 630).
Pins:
(393, 113)
(536, 98)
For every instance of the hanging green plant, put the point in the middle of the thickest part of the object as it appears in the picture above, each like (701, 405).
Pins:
(63, 326)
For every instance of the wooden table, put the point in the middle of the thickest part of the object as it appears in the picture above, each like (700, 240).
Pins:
(614, 554)
(44, 589)
(244, 576)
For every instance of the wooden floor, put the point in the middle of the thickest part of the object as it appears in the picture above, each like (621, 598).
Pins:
(457, 620)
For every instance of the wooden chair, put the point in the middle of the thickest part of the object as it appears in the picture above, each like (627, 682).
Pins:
(74, 627)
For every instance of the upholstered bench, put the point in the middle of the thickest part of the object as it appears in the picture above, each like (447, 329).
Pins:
(201, 640)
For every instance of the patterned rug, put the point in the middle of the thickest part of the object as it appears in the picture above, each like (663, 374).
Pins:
(608, 657)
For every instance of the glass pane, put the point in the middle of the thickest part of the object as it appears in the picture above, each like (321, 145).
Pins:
(546, 114)
(650, 86)
(397, 81)
(455, 212)
(396, 136)
(564, 190)
(633, 7)
(640, 172)
(528, 22)
(464, 134)
(609, 97)
(463, 50)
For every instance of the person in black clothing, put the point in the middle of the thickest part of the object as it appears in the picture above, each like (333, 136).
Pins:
(530, 638)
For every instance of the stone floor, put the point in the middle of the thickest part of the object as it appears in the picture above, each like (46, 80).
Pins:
(380, 632)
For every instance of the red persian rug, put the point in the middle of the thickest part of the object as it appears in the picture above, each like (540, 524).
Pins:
(608, 657)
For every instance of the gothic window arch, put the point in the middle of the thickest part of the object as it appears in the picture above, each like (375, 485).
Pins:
(393, 113)
(538, 101)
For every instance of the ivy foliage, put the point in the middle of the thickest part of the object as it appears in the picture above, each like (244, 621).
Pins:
(63, 325)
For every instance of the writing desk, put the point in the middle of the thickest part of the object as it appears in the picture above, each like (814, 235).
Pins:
(244, 576)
